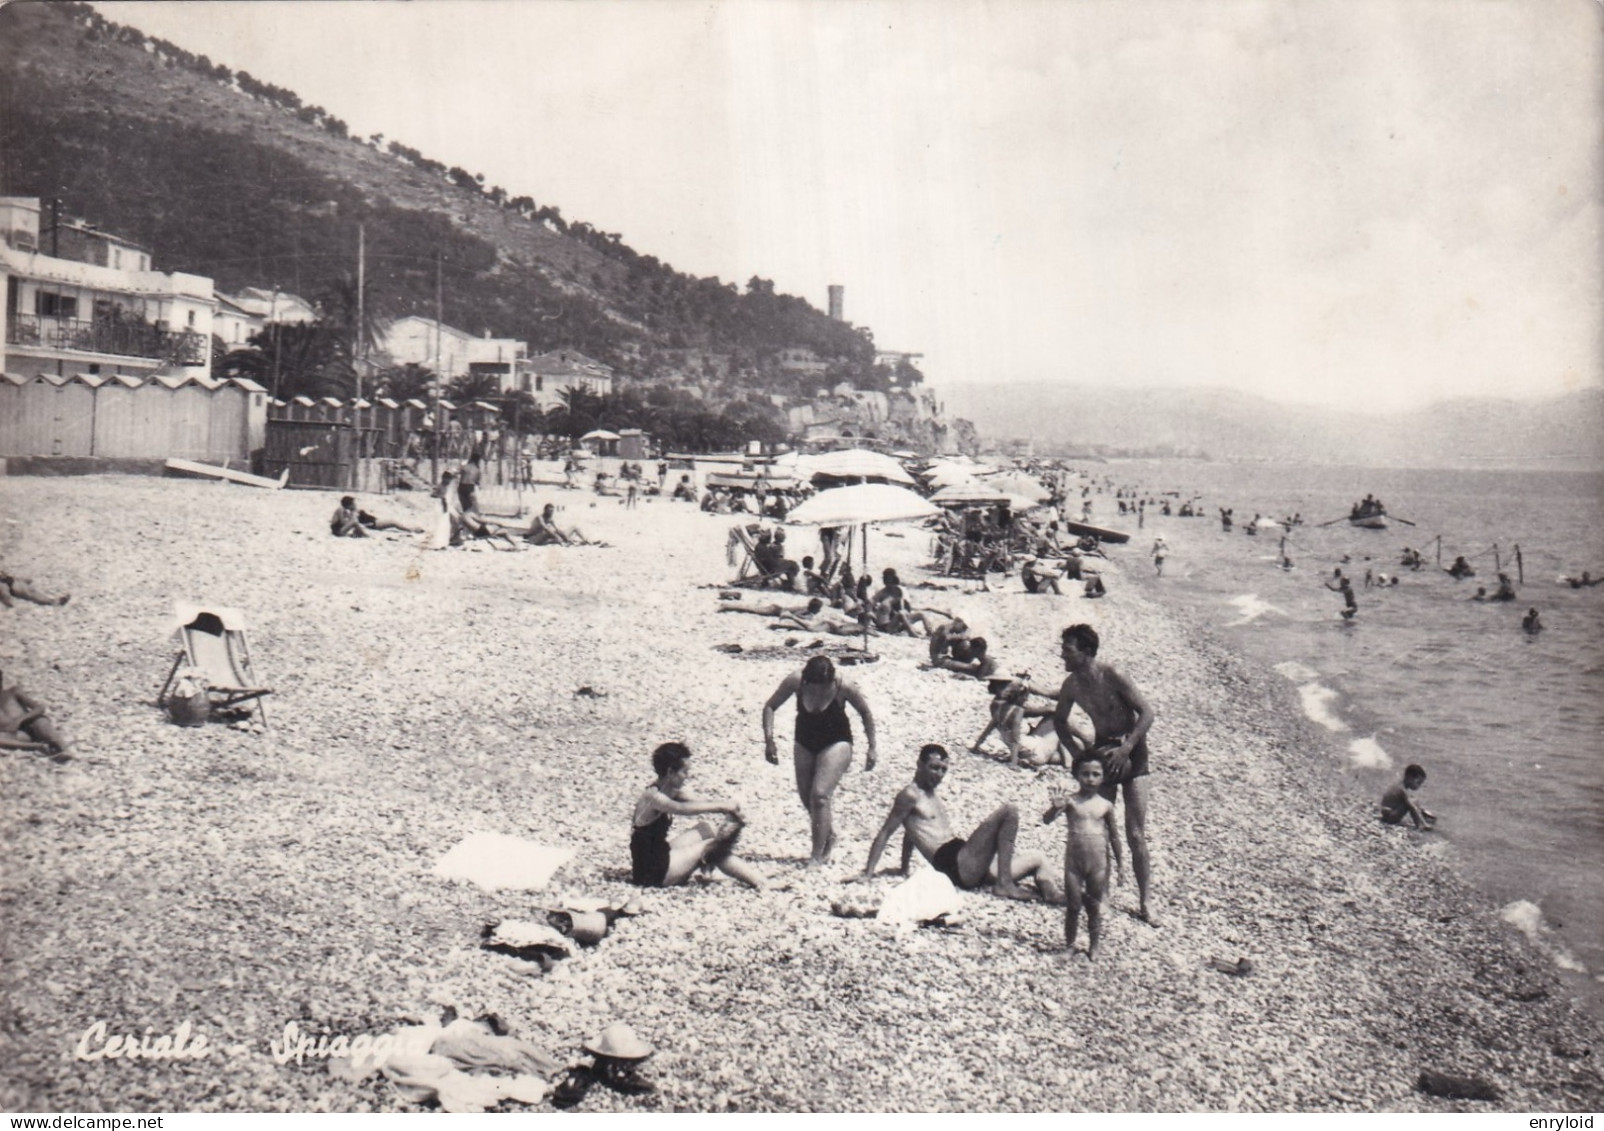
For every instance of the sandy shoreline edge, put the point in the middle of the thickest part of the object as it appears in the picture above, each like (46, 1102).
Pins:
(240, 881)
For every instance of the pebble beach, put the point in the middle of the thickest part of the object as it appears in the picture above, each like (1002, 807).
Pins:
(238, 881)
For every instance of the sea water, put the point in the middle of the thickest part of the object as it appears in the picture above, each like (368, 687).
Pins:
(1507, 725)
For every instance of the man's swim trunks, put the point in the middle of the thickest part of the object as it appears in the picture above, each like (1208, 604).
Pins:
(648, 852)
(945, 860)
(817, 731)
(1135, 764)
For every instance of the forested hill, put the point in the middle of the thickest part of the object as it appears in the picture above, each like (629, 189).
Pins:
(224, 174)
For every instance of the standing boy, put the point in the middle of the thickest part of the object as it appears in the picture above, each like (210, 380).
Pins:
(1091, 838)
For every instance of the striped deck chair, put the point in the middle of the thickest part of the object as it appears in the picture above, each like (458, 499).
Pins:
(213, 643)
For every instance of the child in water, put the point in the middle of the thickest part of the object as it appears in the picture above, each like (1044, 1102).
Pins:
(1398, 802)
(1091, 838)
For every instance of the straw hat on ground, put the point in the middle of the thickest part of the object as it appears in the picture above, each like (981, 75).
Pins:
(618, 1042)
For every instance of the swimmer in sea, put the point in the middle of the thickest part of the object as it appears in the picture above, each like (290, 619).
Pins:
(1532, 623)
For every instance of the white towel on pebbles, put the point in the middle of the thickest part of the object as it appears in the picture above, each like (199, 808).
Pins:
(495, 861)
(923, 896)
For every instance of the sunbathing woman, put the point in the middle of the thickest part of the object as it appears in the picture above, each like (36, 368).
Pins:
(822, 749)
(11, 586)
(658, 862)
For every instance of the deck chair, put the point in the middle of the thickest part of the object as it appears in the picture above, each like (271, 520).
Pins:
(749, 575)
(213, 642)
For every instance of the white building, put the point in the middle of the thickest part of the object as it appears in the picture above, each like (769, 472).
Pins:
(102, 313)
(450, 352)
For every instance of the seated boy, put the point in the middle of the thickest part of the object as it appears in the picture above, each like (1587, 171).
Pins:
(1397, 804)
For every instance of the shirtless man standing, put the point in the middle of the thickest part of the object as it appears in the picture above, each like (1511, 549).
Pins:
(967, 863)
(1120, 718)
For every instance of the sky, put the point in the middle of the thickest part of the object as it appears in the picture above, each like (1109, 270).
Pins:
(1359, 204)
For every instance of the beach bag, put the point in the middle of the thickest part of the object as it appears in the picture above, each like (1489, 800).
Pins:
(189, 705)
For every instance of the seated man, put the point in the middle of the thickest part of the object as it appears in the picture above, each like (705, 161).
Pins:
(23, 726)
(1009, 711)
(946, 638)
(685, 489)
(544, 531)
(922, 816)
(770, 558)
(1038, 578)
(11, 586)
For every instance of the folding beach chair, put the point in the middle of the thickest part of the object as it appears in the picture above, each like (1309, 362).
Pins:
(213, 643)
(749, 575)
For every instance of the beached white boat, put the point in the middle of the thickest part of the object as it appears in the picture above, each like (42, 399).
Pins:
(1376, 521)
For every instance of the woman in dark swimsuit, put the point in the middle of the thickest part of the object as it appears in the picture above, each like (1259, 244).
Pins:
(822, 750)
(659, 862)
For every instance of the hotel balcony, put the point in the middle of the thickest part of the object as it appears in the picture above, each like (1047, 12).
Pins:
(118, 337)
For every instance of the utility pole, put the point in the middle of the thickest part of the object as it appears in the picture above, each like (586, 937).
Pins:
(272, 321)
(439, 309)
(361, 289)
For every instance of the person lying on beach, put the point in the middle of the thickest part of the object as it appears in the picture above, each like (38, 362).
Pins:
(544, 531)
(656, 861)
(978, 664)
(12, 586)
(737, 606)
(350, 522)
(822, 748)
(1120, 719)
(24, 726)
(1010, 708)
(816, 618)
(967, 862)
(1398, 802)
(1091, 839)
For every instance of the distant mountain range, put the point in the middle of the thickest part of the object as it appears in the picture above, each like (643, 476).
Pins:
(1563, 432)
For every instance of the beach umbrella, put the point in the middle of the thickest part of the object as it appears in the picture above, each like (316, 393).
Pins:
(941, 477)
(1018, 483)
(973, 493)
(858, 463)
(600, 434)
(861, 504)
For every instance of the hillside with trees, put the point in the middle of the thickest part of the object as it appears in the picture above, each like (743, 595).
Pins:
(222, 173)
